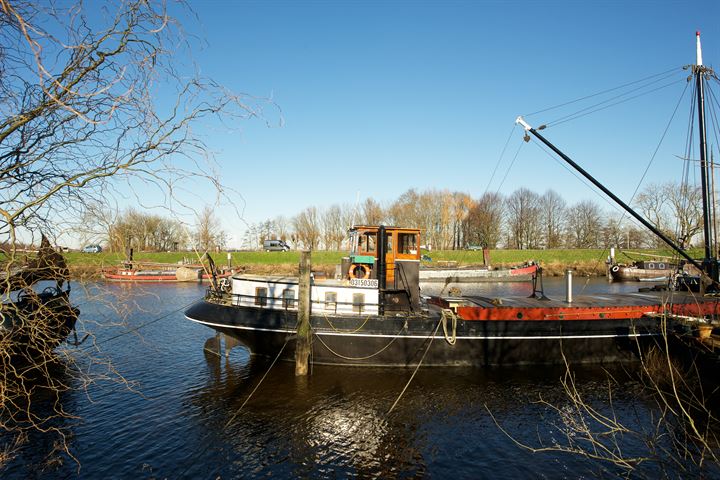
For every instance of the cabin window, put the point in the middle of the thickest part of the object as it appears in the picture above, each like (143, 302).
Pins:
(358, 302)
(331, 301)
(367, 243)
(389, 243)
(288, 298)
(407, 243)
(261, 296)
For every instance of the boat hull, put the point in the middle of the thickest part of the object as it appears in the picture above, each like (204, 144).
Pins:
(32, 328)
(477, 275)
(127, 275)
(642, 272)
(403, 341)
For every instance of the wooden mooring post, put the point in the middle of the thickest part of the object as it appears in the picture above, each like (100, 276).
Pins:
(302, 343)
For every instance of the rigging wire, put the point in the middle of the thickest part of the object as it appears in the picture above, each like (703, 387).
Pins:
(601, 93)
(576, 175)
(502, 154)
(507, 172)
(586, 111)
(654, 154)
(713, 104)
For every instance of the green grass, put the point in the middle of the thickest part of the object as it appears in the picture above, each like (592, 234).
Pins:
(463, 257)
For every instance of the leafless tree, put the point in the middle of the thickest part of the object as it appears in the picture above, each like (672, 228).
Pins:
(334, 227)
(81, 123)
(282, 227)
(673, 208)
(372, 213)
(307, 228)
(584, 225)
(209, 235)
(523, 218)
(145, 232)
(552, 214)
(685, 203)
(485, 219)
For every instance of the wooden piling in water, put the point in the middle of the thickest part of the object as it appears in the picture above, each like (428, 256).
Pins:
(302, 344)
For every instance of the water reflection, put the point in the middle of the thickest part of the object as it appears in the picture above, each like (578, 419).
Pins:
(331, 424)
(335, 423)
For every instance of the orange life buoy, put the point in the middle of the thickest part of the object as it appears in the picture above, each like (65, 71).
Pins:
(356, 266)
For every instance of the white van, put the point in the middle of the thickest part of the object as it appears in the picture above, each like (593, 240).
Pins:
(275, 246)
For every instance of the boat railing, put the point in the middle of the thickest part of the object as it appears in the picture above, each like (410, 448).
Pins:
(330, 306)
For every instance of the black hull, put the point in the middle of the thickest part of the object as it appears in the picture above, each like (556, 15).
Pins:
(362, 340)
(32, 328)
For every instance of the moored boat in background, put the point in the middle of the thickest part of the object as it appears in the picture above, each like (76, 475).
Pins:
(36, 314)
(162, 272)
(473, 274)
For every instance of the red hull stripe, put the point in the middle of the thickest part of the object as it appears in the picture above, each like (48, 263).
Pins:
(586, 313)
(524, 271)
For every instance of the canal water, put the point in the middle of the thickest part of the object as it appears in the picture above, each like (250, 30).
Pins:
(179, 412)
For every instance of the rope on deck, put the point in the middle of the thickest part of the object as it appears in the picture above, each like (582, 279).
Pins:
(451, 339)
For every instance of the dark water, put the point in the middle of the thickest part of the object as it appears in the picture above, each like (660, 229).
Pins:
(180, 415)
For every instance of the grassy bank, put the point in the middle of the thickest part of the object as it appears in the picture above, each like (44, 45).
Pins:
(554, 262)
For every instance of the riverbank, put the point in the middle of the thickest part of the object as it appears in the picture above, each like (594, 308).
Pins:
(555, 262)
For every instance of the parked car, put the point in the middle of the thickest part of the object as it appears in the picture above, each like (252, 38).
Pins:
(275, 246)
(92, 249)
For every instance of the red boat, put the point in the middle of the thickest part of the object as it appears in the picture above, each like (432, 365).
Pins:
(162, 273)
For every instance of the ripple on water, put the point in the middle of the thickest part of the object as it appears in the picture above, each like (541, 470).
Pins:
(332, 424)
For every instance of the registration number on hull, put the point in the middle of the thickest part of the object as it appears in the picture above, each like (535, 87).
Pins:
(364, 282)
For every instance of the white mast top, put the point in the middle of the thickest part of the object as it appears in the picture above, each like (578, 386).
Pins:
(699, 49)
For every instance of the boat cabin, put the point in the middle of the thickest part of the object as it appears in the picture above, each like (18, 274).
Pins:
(398, 275)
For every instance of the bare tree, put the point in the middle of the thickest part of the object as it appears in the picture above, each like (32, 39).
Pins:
(673, 208)
(145, 232)
(552, 213)
(333, 227)
(372, 213)
(307, 228)
(523, 218)
(282, 228)
(460, 208)
(484, 222)
(685, 203)
(585, 221)
(80, 123)
(209, 235)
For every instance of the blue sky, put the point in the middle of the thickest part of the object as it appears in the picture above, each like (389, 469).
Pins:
(380, 97)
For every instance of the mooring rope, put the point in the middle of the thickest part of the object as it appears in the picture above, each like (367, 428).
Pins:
(135, 329)
(451, 339)
(327, 319)
(432, 337)
(395, 337)
(258, 384)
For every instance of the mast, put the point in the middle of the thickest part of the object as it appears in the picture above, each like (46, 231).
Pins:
(699, 71)
(710, 265)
